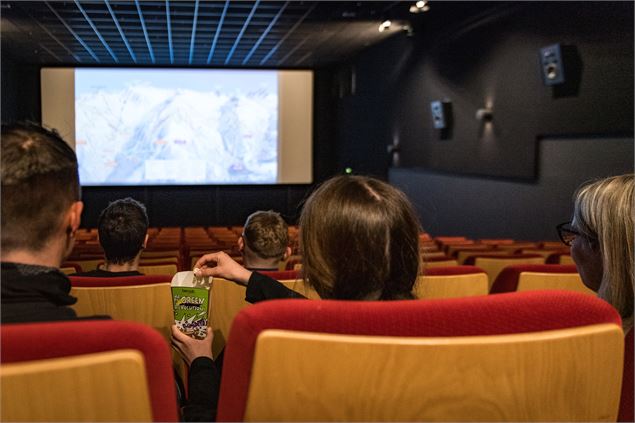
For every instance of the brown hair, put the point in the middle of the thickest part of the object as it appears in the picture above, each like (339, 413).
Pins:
(122, 228)
(604, 211)
(39, 182)
(360, 240)
(266, 234)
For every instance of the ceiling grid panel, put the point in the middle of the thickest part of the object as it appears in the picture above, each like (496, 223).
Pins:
(77, 37)
(121, 33)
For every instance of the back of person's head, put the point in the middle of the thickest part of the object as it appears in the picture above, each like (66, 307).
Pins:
(604, 212)
(122, 227)
(360, 240)
(40, 181)
(266, 234)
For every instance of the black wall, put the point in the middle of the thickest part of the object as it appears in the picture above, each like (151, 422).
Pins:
(489, 58)
(482, 207)
(20, 91)
(498, 178)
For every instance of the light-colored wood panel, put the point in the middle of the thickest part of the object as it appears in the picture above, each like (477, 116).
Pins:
(543, 252)
(516, 246)
(432, 254)
(149, 304)
(163, 260)
(452, 249)
(158, 269)
(562, 375)
(228, 298)
(464, 254)
(68, 270)
(451, 286)
(159, 253)
(566, 259)
(440, 263)
(493, 266)
(108, 386)
(88, 265)
(530, 281)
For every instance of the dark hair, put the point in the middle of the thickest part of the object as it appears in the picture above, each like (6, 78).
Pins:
(122, 227)
(360, 240)
(40, 182)
(266, 234)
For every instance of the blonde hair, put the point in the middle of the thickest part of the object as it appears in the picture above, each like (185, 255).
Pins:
(604, 211)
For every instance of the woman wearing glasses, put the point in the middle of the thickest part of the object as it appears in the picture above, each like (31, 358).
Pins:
(601, 240)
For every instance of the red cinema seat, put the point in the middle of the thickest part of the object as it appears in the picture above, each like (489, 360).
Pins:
(44, 351)
(526, 277)
(89, 281)
(462, 359)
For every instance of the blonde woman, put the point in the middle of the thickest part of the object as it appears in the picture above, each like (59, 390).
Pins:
(601, 240)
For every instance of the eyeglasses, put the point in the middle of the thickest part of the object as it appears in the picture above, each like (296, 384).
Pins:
(566, 233)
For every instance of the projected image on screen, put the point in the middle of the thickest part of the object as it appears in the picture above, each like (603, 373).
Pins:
(160, 127)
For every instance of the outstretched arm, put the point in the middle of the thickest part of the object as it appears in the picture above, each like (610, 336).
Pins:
(221, 265)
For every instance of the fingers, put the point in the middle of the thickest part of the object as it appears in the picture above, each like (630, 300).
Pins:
(221, 265)
(209, 260)
(179, 339)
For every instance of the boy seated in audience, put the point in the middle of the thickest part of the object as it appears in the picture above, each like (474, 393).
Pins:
(123, 234)
(41, 211)
(265, 241)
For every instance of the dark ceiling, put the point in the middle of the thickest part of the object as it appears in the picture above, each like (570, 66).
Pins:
(278, 34)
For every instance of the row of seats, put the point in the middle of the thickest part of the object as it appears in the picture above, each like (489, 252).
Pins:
(184, 246)
(147, 299)
(507, 357)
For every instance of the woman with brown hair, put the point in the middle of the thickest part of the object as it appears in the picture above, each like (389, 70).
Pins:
(360, 241)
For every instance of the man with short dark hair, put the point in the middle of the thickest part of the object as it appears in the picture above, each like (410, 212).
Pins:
(41, 211)
(264, 241)
(123, 234)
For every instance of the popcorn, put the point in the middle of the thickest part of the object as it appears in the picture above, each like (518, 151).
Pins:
(190, 299)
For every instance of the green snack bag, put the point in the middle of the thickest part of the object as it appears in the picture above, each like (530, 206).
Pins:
(190, 300)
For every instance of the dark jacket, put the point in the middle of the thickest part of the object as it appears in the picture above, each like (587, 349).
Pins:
(35, 294)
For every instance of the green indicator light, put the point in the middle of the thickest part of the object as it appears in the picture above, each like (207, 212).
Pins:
(348, 170)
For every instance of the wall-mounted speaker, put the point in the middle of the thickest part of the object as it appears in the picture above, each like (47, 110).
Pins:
(441, 114)
(552, 64)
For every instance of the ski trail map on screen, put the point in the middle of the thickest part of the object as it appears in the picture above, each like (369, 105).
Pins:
(176, 127)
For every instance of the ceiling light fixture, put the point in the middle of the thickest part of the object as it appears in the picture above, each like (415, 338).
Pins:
(385, 25)
(420, 6)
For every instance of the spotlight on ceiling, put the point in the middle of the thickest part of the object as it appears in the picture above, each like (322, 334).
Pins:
(420, 6)
(385, 25)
